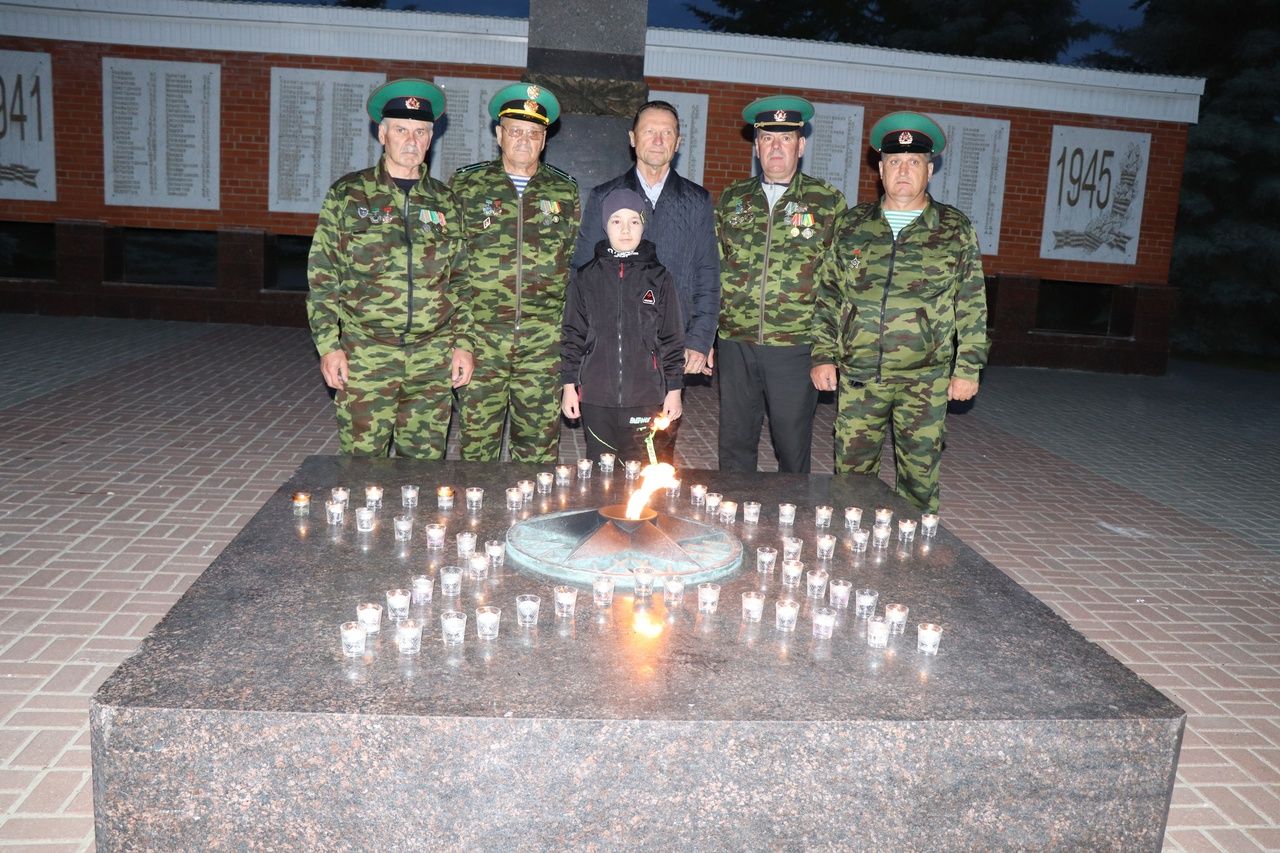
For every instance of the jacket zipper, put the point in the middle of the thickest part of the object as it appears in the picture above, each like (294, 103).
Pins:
(519, 252)
(618, 315)
(884, 301)
(408, 238)
(764, 273)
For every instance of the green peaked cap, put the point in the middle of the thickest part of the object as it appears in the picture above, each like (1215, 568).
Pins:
(907, 132)
(408, 98)
(778, 112)
(525, 101)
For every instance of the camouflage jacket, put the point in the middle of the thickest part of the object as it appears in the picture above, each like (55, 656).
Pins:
(900, 309)
(771, 260)
(518, 246)
(387, 266)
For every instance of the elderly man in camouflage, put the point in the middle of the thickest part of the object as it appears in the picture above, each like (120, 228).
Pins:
(387, 302)
(774, 231)
(521, 219)
(905, 322)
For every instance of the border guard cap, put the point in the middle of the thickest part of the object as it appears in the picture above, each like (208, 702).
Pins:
(408, 98)
(913, 133)
(525, 101)
(778, 112)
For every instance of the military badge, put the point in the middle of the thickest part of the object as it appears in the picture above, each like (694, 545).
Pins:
(487, 222)
(856, 260)
(531, 106)
(780, 115)
(412, 103)
(532, 93)
(550, 211)
(432, 217)
(362, 212)
(905, 138)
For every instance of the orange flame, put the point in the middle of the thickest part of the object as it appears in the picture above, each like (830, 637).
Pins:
(645, 625)
(660, 422)
(653, 477)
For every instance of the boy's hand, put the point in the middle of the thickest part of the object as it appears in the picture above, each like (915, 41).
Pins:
(671, 406)
(569, 403)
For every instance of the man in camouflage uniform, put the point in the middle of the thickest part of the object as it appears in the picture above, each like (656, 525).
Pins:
(521, 220)
(905, 322)
(774, 231)
(388, 302)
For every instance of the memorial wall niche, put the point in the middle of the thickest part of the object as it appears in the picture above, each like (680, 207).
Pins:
(320, 131)
(693, 130)
(161, 133)
(970, 173)
(27, 161)
(466, 136)
(1093, 201)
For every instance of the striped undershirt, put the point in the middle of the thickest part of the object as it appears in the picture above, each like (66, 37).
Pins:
(520, 181)
(899, 219)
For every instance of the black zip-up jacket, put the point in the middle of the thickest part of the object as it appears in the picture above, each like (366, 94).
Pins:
(622, 339)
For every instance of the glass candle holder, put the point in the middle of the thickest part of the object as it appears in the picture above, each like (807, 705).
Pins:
(728, 511)
(607, 461)
(398, 604)
(785, 612)
(786, 513)
(496, 551)
(545, 479)
(880, 536)
(479, 566)
(475, 498)
(826, 546)
(906, 529)
(766, 558)
(515, 500)
(884, 515)
(752, 605)
(791, 572)
(466, 542)
(822, 516)
(301, 502)
(838, 590)
(526, 489)
(408, 496)
(632, 467)
(450, 581)
(488, 619)
(815, 583)
(896, 616)
(373, 497)
(421, 590)
(527, 606)
(852, 517)
(584, 469)
(453, 627)
(353, 639)
(697, 494)
(928, 525)
(751, 512)
(642, 583)
(713, 503)
(877, 632)
(334, 511)
(859, 539)
(435, 536)
(708, 597)
(409, 636)
(673, 489)
(403, 527)
(341, 494)
(369, 615)
(824, 622)
(602, 591)
(444, 497)
(791, 547)
(864, 601)
(564, 475)
(566, 600)
(673, 592)
(364, 519)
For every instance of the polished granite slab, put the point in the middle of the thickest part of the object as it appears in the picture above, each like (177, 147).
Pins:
(239, 722)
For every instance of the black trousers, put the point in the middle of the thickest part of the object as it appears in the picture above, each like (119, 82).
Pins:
(609, 429)
(760, 380)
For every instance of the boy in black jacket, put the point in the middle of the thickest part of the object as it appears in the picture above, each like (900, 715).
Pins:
(622, 348)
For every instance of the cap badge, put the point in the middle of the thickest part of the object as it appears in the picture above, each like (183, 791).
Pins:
(780, 115)
(532, 93)
(905, 138)
(531, 106)
(412, 104)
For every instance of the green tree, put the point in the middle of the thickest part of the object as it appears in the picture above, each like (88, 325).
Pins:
(1226, 250)
(1037, 30)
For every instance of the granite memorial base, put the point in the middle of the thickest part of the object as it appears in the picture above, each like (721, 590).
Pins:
(240, 723)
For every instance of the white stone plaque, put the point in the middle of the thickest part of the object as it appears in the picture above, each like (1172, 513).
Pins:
(693, 130)
(1093, 202)
(970, 173)
(161, 133)
(467, 134)
(26, 127)
(319, 132)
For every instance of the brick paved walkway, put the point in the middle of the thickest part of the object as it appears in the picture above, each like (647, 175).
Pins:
(1142, 509)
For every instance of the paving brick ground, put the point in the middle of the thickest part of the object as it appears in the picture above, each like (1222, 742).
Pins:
(1142, 509)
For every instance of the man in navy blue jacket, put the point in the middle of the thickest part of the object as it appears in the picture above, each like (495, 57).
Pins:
(680, 223)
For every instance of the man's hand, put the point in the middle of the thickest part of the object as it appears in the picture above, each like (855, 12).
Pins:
(461, 367)
(694, 361)
(961, 389)
(569, 403)
(823, 377)
(672, 407)
(333, 367)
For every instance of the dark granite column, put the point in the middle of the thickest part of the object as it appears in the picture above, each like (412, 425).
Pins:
(592, 58)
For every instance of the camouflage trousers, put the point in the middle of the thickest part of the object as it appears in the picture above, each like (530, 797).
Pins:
(518, 381)
(395, 396)
(917, 411)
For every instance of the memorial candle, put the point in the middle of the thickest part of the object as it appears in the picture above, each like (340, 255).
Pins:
(928, 525)
(526, 489)
(697, 494)
(301, 501)
(822, 516)
(607, 461)
(373, 497)
(444, 497)
(896, 616)
(408, 496)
